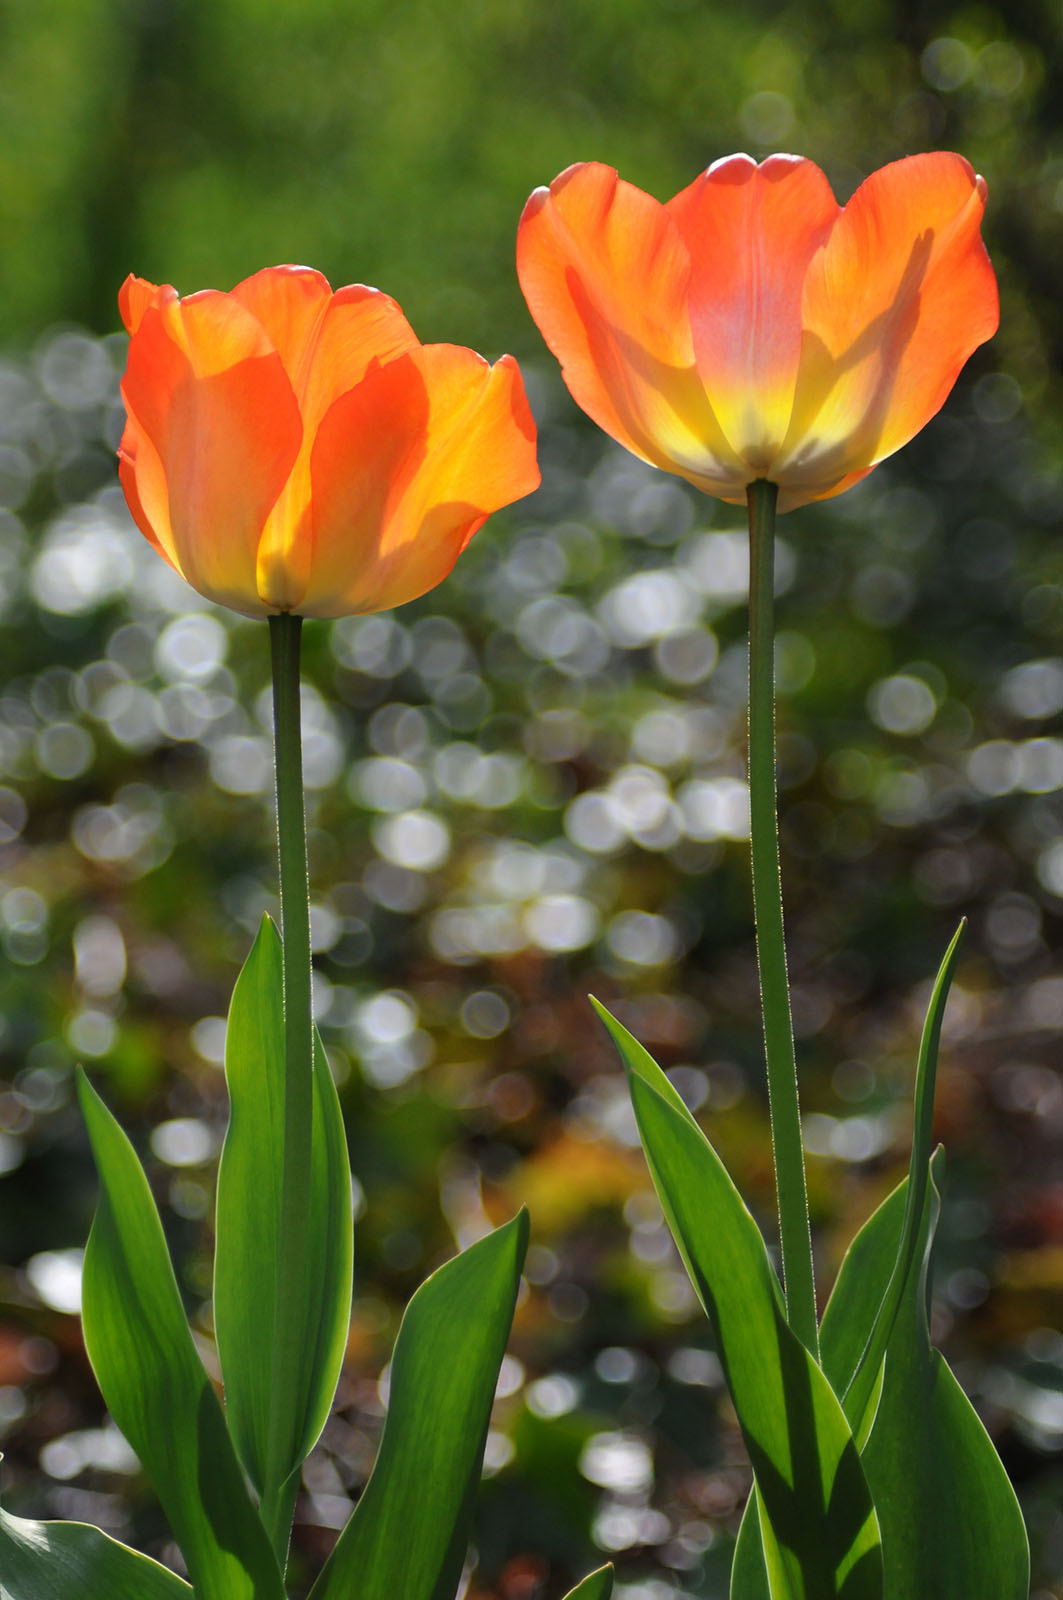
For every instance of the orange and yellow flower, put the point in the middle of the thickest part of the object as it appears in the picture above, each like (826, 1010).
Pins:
(752, 327)
(291, 449)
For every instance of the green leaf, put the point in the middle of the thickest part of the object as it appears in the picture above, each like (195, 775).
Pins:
(749, 1575)
(862, 1389)
(73, 1561)
(409, 1532)
(248, 1220)
(595, 1586)
(951, 1525)
(821, 1535)
(154, 1383)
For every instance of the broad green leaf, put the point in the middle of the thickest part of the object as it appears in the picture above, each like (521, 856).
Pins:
(154, 1383)
(749, 1575)
(951, 1525)
(73, 1561)
(863, 1386)
(248, 1219)
(407, 1535)
(821, 1536)
(595, 1586)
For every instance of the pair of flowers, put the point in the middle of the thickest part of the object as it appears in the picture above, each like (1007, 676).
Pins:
(293, 449)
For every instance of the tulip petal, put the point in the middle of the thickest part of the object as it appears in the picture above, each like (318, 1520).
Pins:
(606, 275)
(289, 303)
(326, 340)
(135, 296)
(143, 481)
(361, 326)
(205, 389)
(406, 468)
(231, 444)
(895, 303)
(751, 232)
(355, 327)
(239, 406)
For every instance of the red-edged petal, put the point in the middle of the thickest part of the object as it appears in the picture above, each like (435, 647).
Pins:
(205, 390)
(136, 295)
(144, 486)
(361, 326)
(606, 275)
(326, 340)
(217, 332)
(357, 326)
(289, 302)
(896, 302)
(751, 232)
(406, 468)
(231, 444)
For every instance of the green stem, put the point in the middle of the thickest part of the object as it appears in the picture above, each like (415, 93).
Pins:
(284, 1421)
(794, 1231)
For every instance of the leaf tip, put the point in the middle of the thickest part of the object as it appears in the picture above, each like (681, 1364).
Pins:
(521, 1225)
(615, 1029)
(88, 1099)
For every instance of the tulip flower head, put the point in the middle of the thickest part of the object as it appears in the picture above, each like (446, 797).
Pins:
(752, 327)
(291, 449)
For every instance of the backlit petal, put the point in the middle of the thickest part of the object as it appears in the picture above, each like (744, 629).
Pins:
(275, 434)
(289, 303)
(231, 443)
(218, 332)
(406, 468)
(357, 327)
(606, 275)
(751, 232)
(136, 295)
(361, 328)
(224, 442)
(894, 305)
(144, 486)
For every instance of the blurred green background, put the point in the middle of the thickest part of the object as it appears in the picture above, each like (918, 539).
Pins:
(530, 784)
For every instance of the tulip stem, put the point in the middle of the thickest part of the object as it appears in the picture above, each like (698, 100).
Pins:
(278, 1491)
(794, 1228)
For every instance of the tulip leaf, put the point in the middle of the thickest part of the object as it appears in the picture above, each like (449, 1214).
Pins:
(951, 1525)
(864, 1376)
(819, 1532)
(595, 1586)
(54, 1560)
(409, 1532)
(749, 1574)
(154, 1383)
(248, 1221)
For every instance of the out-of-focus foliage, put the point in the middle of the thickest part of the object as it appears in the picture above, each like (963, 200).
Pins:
(529, 785)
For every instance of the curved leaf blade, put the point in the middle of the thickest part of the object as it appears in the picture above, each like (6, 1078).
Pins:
(408, 1533)
(820, 1534)
(595, 1586)
(54, 1560)
(145, 1362)
(861, 1392)
(248, 1221)
(749, 1575)
(951, 1524)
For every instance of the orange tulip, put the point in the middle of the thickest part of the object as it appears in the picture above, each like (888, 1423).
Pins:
(291, 449)
(752, 327)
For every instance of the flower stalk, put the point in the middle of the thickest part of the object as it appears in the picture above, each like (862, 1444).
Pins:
(278, 1494)
(794, 1228)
